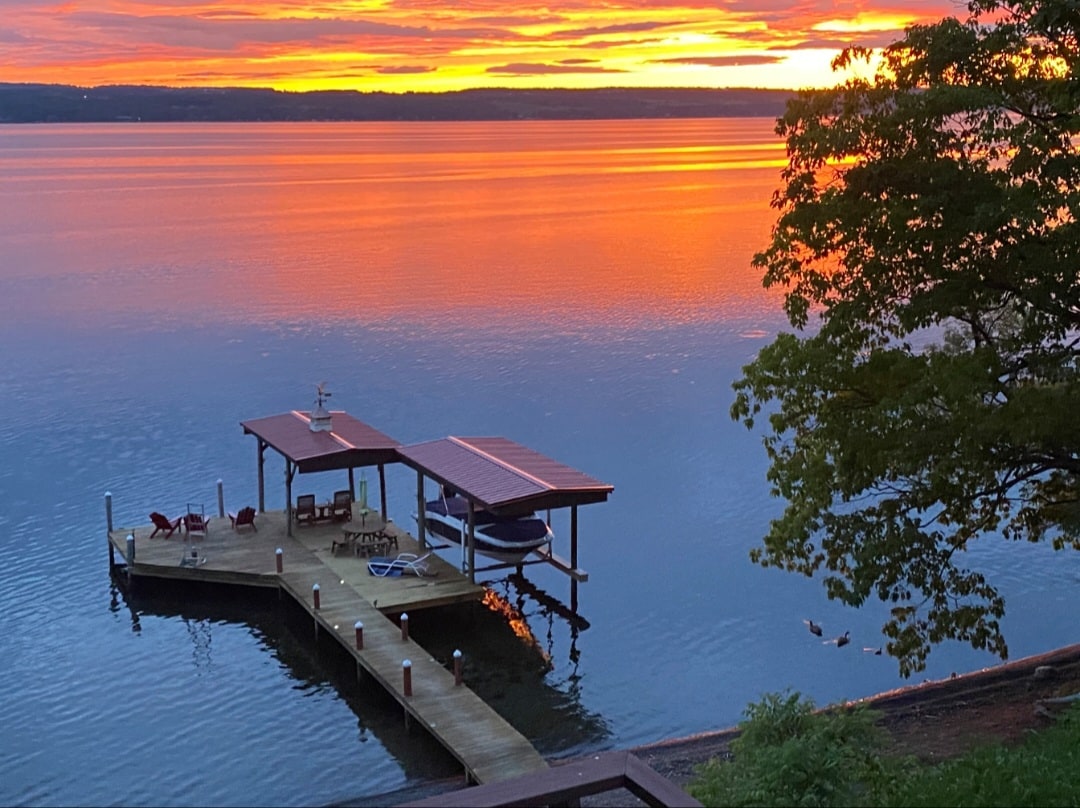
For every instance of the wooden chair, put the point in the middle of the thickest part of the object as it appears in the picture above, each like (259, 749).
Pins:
(196, 522)
(244, 516)
(305, 512)
(342, 506)
(162, 524)
(389, 539)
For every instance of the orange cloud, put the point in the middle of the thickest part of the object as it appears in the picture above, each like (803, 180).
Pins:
(420, 45)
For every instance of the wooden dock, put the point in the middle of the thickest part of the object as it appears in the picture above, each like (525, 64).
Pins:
(486, 745)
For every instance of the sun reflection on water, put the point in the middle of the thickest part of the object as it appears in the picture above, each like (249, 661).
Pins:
(509, 226)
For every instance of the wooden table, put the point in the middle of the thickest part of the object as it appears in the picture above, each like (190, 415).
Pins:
(365, 535)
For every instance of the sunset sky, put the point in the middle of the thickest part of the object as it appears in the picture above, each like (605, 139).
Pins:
(439, 45)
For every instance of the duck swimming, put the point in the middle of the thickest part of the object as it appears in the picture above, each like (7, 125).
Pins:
(844, 640)
(814, 627)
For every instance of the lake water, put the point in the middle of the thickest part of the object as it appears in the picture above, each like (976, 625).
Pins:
(582, 288)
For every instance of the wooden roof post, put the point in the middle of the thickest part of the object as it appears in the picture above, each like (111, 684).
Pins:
(382, 491)
(260, 461)
(472, 542)
(290, 470)
(421, 520)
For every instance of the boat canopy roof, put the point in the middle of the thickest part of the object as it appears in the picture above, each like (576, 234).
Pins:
(501, 475)
(349, 443)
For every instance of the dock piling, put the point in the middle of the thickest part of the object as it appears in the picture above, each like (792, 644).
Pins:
(109, 525)
(359, 635)
(315, 595)
(280, 565)
(220, 499)
(131, 548)
(406, 674)
(404, 626)
(108, 511)
(457, 668)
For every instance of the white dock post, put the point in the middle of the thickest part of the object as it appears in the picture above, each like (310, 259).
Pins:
(108, 534)
(108, 511)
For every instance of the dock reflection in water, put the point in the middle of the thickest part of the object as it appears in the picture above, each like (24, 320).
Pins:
(505, 662)
(511, 668)
(314, 665)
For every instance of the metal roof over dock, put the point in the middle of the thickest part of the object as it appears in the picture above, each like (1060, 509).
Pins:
(336, 440)
(503, 476)
(350, 443)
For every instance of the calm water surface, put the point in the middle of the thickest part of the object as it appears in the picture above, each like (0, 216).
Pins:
(582, 288)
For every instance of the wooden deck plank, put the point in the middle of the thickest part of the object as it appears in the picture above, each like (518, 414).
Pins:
(487, 746)
(232, 556)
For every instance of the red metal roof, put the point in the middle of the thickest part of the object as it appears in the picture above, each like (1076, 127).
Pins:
(502, 475)
(350, 442)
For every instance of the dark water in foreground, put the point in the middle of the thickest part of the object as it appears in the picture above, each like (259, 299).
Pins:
(581, 288)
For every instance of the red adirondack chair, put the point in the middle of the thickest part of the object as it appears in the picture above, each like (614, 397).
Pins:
(162, 524)
(244, 516)
(196, 522)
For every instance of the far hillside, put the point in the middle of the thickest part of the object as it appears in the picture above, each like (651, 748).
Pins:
(54, 103)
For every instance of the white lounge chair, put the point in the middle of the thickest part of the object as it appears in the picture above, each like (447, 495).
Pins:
(404, 563)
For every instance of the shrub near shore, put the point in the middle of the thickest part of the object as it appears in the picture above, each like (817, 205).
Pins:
(788, 753)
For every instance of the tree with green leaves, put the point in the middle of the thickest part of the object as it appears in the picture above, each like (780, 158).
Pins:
(928, 244)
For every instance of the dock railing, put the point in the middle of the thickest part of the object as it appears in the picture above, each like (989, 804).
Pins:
(567, 783)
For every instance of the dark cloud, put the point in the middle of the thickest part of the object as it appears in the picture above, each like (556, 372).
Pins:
(601, 44)
(722, 61)
(10, 35)
(517, 20)
(405, 70)
(776, 40)
(877, 39)
(624, 28)
(825, 9)
(541, 68)
(228, 34)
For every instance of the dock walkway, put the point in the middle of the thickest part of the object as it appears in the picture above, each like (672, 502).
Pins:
(486, 745)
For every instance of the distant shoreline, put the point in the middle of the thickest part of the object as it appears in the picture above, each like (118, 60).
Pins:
(61, 103)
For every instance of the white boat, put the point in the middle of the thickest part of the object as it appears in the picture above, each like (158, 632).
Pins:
(504, 538)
